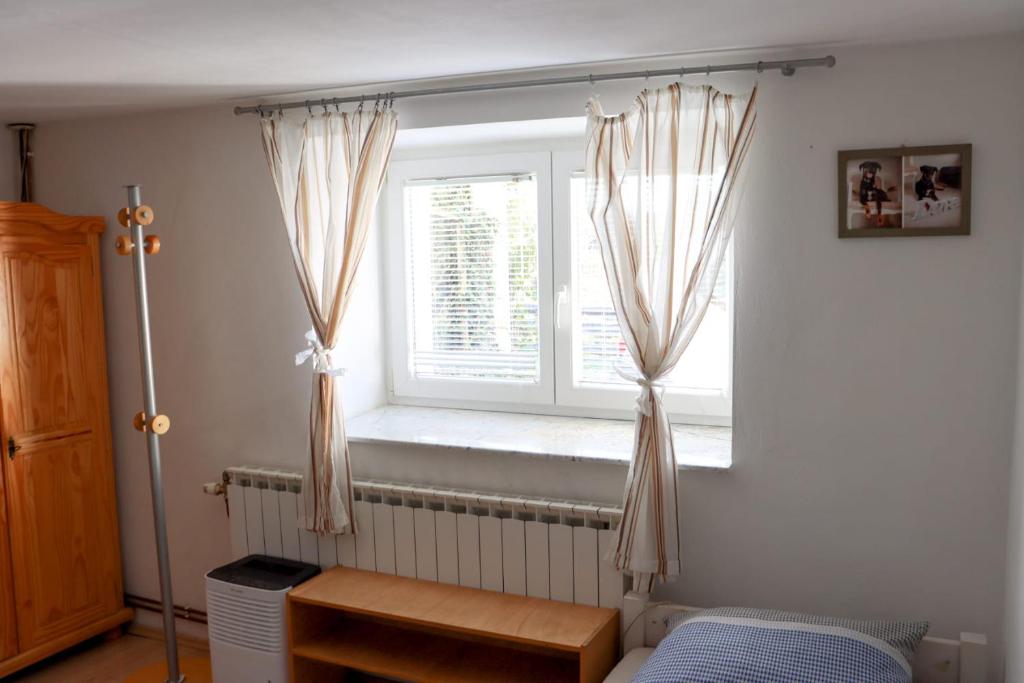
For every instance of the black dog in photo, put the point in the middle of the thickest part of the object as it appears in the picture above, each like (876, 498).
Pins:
(925, 186)
(871, 192)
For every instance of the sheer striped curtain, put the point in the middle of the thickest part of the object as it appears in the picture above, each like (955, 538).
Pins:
(662, 192)
(328, 170)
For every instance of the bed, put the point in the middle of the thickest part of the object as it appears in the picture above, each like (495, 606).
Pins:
(937, 660)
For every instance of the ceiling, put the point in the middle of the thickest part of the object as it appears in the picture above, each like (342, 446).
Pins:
(68, 58)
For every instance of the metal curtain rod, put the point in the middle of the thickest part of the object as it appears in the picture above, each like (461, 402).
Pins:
(787, 67)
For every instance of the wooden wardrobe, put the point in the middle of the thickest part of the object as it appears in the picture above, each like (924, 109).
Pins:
(60, 561)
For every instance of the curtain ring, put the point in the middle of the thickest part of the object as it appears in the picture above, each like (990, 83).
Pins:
(309, 109)
(359, 109)
(259, 110)
(760, 67)
(323, 103)
(337, 107)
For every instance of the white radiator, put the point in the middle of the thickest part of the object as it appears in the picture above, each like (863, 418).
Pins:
(542, 548)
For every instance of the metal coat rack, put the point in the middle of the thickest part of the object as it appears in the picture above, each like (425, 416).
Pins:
(149, 421)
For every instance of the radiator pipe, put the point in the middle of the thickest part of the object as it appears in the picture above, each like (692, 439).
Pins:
(180, 611)
(25, 158)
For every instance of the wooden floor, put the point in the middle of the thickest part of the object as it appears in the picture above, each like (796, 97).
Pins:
(100, 661)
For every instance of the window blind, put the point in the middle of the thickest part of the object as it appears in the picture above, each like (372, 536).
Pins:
(472, 273)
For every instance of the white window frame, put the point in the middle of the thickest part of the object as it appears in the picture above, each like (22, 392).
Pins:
(555, 393)
(695, 406)
(465, 392)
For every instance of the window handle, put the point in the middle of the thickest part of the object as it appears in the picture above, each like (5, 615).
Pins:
(561, 299)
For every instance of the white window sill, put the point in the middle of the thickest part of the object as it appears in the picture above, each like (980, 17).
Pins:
(538, 436)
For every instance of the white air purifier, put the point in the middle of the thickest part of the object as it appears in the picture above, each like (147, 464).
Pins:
(245, 609)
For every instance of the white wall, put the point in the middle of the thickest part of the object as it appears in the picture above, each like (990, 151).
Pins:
(1015, 537)
(874, 398)
(227, 320)
(1015, 546)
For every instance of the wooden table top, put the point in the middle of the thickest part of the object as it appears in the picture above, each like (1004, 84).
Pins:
(549, 623)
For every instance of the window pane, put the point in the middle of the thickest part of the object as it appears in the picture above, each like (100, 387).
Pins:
(472, 268)
(598, 347)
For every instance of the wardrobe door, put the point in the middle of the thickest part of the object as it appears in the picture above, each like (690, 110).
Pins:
(56, 443)
(8, 613)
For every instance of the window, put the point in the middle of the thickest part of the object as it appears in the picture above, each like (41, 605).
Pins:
(472, 264)
(499, 301)
(470, 241)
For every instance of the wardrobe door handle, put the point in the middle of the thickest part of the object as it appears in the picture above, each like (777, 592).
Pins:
(11, 447)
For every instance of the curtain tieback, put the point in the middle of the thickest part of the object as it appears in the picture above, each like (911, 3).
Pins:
(645, 401)
(323, 361)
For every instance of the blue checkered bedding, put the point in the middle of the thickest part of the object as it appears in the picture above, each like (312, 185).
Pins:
(724, 649)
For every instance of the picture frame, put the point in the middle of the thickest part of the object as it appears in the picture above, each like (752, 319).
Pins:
(904, 191)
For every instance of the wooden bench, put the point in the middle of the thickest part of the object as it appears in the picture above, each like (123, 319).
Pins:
(348, 624)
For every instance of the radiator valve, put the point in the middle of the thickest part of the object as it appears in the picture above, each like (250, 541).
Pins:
(219, 488)
(214, 488)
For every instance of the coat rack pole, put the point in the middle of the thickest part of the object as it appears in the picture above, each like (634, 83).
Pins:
(150, 424)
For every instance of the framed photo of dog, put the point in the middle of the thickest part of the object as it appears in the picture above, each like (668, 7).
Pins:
(905, 191)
